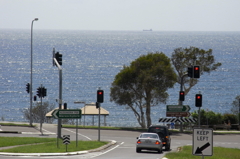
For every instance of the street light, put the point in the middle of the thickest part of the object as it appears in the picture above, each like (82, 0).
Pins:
(31, 99)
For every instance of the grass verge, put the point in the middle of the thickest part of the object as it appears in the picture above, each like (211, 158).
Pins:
(13, 124)
(218, 153)
(46, 145)
(12, 141)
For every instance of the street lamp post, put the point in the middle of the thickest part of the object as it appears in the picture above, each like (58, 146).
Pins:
(31, 85)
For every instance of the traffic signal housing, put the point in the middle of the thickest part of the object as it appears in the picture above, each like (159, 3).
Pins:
(181, 95)
(39, 92)
(190, 72)
(97, 105)
(28, 87)
(198, 100)
(100, 96)
(196, 71)
(44, 92)
(65, 106)
(58, 57)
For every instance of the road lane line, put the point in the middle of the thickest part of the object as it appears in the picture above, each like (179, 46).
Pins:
(78, 134)
(108, 150)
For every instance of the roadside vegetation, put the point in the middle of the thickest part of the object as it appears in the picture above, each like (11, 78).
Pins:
(45, 145)
(218, 153)
(12, 141)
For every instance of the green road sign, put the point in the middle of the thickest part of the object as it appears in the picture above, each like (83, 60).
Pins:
(178, 108)
(67, 114)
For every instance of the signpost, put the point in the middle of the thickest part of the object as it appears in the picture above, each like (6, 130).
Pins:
(178, 111)
(66, 140)
(67, 113)
(202, 142)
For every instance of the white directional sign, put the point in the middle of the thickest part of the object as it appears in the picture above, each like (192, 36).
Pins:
(202, 142)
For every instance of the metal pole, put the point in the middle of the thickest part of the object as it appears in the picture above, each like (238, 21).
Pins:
(31, 83)
(181, 102)
(99, 121)
(199, 116)
(41, 119)
(77, 134)
(60, 94)
(60, 102)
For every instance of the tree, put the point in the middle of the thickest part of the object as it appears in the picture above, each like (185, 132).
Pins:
(182, 58)
(143, 84)
(236, 105)
(208, 117)
(38, 111)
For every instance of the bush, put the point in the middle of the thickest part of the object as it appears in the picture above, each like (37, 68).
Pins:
(212, 118)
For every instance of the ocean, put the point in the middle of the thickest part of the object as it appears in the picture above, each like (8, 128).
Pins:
(91, 59)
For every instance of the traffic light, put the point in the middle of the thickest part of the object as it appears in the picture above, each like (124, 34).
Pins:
(190, 72)
(28, 87)
(58, 57)
(97, 105)
(65, 106)
(100, 95)
(39, 92)
(196, 71)
(35, 98)
(181, 95)
(44, 92)
(198, 100)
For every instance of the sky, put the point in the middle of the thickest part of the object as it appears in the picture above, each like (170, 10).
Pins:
(158, 15)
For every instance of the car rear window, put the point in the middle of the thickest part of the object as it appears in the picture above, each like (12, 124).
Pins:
(153, 136)
(157, 129)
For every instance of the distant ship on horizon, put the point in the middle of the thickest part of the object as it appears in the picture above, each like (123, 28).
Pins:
(147, 30)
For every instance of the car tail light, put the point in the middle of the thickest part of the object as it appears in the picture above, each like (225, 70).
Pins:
(139, 142)
(157, 142)
(167, 137)
(164, 143)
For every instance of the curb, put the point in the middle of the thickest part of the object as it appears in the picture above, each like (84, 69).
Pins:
(112, 142)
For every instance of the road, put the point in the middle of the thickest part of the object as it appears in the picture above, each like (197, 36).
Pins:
(124, 148)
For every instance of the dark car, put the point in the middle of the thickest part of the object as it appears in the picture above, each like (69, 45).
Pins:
(163, 134)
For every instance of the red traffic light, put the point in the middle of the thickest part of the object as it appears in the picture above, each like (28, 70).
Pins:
(198, 100)
(181, 96)
(196, 68)
(196, 71)
(100, 96)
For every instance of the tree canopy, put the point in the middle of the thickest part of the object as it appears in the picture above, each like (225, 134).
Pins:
(182, 58)
(144, 84)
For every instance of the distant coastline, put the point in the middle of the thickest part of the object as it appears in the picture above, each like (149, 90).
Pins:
(147, 30)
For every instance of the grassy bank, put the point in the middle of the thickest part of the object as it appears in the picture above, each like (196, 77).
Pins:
(45, 145)
(218, 153)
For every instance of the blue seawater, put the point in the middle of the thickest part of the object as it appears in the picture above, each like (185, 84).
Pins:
(91, 59)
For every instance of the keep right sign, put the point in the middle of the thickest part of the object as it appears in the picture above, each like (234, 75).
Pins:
(202, 142)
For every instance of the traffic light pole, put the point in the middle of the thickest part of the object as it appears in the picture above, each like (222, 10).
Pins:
(60, 95)
(41, 119)
(99, 121)
(181, 102)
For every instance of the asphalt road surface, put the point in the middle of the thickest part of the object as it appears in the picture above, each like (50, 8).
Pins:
(125, 146)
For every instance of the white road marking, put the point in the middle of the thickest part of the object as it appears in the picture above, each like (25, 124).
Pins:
(108, 150)
(78, 134)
